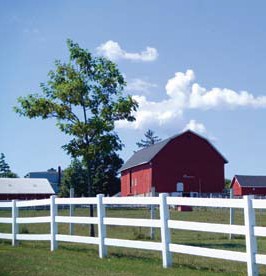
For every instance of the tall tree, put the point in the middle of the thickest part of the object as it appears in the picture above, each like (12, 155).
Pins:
(74, 177)
(150, 139)
(104, 177)
(5, 168)
(85, 95)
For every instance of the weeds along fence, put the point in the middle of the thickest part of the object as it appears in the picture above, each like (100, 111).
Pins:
(164, 223)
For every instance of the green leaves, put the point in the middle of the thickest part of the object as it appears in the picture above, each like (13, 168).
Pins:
(74, 177)
(85, 96)
(123, 109)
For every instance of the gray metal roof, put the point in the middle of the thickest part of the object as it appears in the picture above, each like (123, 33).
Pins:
(145, 155)
(251, 180)
(25, 186)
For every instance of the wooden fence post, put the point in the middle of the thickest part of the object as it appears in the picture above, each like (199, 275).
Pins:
(165, 233)
(15, 228)
(71, 212)
(251, 242)
(53, 214)
(101, 226)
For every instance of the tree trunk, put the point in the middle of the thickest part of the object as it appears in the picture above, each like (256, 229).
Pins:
(92, 231)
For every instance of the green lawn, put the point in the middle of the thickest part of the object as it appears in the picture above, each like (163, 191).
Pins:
(35, 258)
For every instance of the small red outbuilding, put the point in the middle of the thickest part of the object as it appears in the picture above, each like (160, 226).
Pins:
(187, 162)
(248, 185)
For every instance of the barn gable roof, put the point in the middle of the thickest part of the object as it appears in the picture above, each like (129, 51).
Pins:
(145, 155)
(251, 180)
(25, 186)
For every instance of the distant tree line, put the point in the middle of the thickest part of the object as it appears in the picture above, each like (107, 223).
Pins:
(5, 170)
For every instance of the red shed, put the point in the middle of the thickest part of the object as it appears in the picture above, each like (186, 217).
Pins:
(187, 160)
(248, 185)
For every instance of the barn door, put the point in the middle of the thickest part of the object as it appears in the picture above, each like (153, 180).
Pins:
(191, 183)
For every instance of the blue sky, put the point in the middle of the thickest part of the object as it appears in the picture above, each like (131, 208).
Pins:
(196, 64)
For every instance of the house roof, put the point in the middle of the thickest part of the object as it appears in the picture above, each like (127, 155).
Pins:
(52, 175)
(25, 186)
(251, 180)
(145, 155)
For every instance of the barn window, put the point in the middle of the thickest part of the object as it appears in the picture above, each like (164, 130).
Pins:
(180, 187)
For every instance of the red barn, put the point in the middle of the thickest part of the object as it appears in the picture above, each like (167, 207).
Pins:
(248, 185)
(186, 161)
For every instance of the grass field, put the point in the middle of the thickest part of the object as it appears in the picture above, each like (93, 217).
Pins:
(35, 258)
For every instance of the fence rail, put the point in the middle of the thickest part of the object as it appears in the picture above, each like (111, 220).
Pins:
(165, 224)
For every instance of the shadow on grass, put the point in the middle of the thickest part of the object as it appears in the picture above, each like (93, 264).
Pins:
(133, 256)
(118, 253)
(219, 245)
(80, 249)
(199, 268)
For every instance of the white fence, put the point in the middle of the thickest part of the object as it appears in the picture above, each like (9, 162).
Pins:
(167, 248)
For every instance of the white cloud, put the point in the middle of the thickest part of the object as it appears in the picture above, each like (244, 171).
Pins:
(139, 85)
(152, 113)
(192, 95)
(196, 127)
(113, 51)
(221, 98)
(182, 93)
